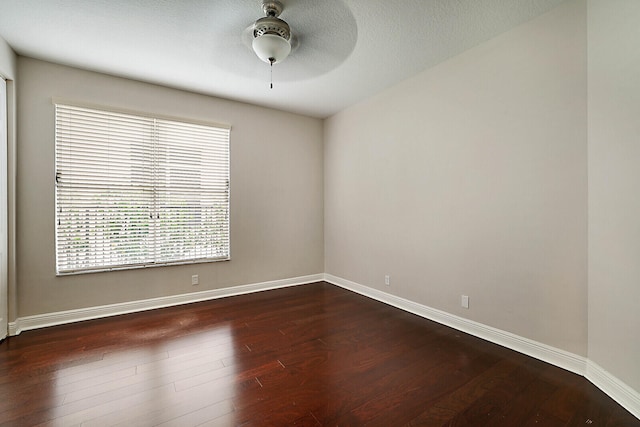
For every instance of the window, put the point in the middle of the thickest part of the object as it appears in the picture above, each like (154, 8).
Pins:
(137, 191)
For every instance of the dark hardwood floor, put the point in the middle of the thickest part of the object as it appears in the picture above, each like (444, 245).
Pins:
(313, 355)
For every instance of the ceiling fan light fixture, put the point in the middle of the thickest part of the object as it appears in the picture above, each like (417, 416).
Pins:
(271, 48)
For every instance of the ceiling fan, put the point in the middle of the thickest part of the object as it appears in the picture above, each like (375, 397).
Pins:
(313, 36)
(271, 34)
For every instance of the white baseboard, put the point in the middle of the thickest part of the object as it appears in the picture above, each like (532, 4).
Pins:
(612, 386)
(627, 397)
(13, 328)
(61, 317)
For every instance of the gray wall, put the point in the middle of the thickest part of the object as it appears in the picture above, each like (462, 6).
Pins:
(614, 187)
(471, 178)
(276, 192)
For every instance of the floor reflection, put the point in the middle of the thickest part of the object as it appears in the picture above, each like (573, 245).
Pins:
(169, 378)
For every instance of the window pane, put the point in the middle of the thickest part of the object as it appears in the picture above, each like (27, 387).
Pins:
(192, 191)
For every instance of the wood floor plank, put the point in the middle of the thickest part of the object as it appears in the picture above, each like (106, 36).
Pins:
(310, 355)
(201, 416)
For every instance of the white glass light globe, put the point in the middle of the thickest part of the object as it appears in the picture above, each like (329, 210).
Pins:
(271, 48)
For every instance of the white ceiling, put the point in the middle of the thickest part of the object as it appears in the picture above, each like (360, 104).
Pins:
(347, 49)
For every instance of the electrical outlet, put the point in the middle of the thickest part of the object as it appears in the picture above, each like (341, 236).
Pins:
(387, 280)
(464, 301)
(195, 280)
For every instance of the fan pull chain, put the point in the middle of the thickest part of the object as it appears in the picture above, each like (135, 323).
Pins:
(271, 61)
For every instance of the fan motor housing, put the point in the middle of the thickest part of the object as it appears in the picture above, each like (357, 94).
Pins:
(271, 25)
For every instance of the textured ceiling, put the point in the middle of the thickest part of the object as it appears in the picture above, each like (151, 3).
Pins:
(345, 50)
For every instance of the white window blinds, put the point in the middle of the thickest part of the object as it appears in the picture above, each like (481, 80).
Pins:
(138, 191)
